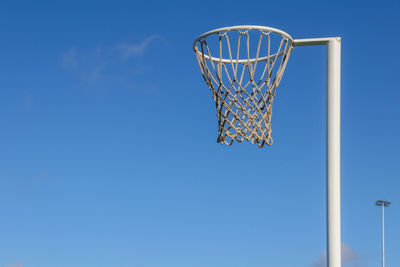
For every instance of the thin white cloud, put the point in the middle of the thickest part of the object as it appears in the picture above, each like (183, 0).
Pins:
(348, 254)
(15, 265)
(348, 257)
(69, 59)
(27, 100)
(106, 67)
(321, 262)
(129, 50)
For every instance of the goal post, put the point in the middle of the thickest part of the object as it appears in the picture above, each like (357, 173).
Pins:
(243, 66)
(333, 66)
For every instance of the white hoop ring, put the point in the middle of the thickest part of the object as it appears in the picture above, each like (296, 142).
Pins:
(241, 27)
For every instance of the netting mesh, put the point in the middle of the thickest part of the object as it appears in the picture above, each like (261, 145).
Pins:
(243, 69)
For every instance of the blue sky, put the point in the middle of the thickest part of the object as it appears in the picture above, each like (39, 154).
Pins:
(108, 153)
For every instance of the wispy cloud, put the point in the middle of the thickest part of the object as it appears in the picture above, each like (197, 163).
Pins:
(15, 265)
(27, 100)
(117, 65)
(349, 256)
(129, 50)
(21, 184)
(69, 59)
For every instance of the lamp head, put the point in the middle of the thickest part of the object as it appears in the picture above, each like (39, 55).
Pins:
(383, 203)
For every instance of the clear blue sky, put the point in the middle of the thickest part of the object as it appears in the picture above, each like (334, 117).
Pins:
(108, 153)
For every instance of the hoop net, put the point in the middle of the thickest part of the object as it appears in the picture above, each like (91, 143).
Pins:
(243, 66)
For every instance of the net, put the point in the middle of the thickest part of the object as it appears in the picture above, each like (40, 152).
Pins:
(243, 66)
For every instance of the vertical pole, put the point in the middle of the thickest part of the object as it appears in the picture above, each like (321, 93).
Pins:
(333, 152)
(383, 235)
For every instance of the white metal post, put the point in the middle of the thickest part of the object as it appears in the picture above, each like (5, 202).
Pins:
(333, 152)
(332, 144)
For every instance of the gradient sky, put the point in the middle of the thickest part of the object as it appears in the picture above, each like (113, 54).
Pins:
(108, 153)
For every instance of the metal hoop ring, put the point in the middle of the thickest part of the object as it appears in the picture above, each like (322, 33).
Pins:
(238, 28)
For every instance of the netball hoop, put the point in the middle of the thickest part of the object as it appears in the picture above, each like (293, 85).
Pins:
(243, 66)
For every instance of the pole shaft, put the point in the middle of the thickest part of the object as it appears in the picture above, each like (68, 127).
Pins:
(333, 152)
(383, 236)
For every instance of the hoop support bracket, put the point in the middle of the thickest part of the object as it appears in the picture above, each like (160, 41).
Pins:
(315, 41)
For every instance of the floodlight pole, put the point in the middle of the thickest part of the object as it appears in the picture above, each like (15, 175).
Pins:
(383, 236)
(333, 46)
(383, 204)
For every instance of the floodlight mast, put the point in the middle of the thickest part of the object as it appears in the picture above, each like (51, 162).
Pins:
(333, 59)
(383, 204)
